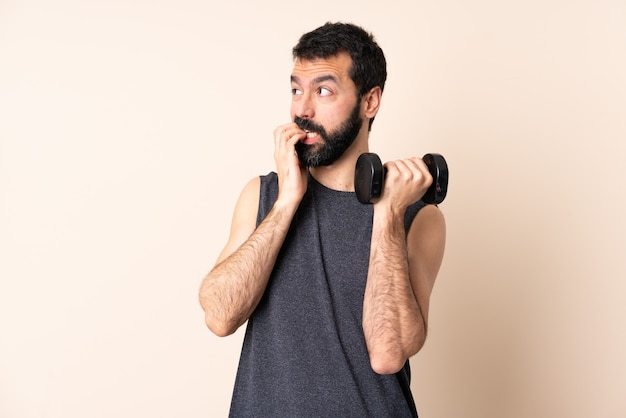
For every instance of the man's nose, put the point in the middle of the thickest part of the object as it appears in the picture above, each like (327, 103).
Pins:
(303, 107)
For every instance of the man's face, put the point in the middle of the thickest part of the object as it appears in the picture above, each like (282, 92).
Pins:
(324, 103)
(332, 145)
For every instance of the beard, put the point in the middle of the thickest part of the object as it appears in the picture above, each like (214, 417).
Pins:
(333, 144)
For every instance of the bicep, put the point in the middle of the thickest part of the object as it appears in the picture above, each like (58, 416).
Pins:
(243, 223)
(425, 246)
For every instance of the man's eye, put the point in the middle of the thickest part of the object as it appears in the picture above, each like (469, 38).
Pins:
(296, 92)
(324, 91)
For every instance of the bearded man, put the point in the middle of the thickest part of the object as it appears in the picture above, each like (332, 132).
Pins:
(335, 293)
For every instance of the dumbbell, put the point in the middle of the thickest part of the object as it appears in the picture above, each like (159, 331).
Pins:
(370, 175)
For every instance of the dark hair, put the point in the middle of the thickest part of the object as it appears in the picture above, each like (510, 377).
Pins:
(369, 67)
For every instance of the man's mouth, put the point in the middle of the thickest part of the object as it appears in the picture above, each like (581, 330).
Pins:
(311, 137)
(314, 132)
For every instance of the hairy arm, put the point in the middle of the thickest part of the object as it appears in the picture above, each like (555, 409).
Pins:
(402, 271)
(233, 288)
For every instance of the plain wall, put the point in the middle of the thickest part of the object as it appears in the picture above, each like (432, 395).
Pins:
(128, 128)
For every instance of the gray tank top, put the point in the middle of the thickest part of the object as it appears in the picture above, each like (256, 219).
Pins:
(304, 352)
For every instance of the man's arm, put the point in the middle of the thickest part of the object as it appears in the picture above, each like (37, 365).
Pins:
(233, 288)
(402, 270)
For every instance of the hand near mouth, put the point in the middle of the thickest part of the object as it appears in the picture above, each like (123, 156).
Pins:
(292, 176)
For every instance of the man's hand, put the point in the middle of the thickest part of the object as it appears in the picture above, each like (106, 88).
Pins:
(406, 181)
(292, 176)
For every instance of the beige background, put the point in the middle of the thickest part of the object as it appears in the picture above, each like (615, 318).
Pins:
(127, 129)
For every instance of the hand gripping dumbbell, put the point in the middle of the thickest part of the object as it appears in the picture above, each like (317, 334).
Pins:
(370, 175)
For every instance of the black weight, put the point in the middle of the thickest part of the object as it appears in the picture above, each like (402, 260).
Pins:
(369, 176)
(439, 171)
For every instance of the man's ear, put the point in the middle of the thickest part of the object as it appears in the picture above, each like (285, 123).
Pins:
(371, 102)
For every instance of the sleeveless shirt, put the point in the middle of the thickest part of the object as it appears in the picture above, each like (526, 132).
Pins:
(304, 351)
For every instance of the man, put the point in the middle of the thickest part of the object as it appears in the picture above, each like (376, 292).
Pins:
(335, 292)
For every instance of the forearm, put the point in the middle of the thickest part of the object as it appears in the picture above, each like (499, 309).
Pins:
(392, 321)
(232, 290)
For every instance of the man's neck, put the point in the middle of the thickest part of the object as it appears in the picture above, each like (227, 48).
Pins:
(340, 175)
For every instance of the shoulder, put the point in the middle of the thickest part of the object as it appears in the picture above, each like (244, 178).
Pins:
(249, 196)
(426, 236)
(257, 188)
(244, 217)
(428, 221)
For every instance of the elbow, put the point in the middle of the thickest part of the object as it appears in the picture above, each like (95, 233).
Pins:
(392, 361)
(220, 323)
(215, 320)
(387, 364)
(219, 328)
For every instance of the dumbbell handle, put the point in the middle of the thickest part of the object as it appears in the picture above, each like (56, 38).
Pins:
(369, 177)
